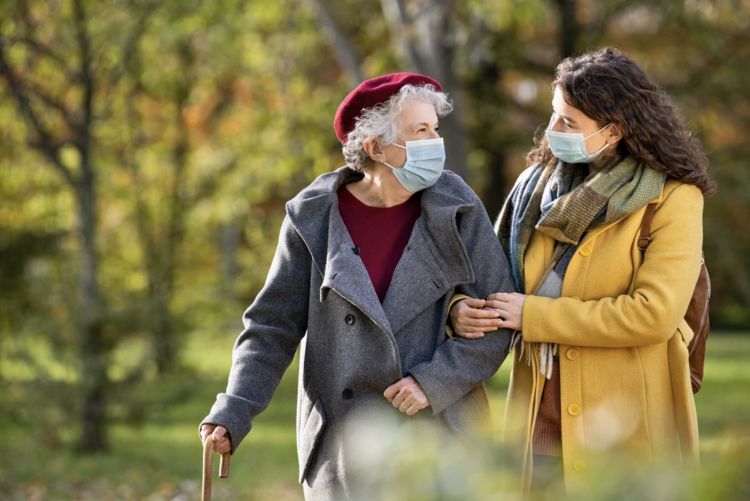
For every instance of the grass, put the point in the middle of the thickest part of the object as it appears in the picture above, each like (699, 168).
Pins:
(158, 457)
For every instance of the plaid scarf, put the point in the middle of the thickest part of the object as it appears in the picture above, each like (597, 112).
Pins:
(565, 206)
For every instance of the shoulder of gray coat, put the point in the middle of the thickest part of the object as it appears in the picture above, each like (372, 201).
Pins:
(451, 183)
(323, 186)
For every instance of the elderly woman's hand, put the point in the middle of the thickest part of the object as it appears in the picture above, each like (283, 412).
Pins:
(510, 307)
(222, 442)
(470, 321)
(407, 396)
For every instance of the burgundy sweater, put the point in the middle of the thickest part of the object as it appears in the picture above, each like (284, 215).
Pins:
(547, 439)
(380, 234)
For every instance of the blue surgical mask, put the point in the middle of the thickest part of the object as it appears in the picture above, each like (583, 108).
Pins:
(424, 164)
(571, 147)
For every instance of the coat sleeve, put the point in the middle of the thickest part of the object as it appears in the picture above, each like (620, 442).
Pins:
(663, 287)
(275, 324)
(459, 365)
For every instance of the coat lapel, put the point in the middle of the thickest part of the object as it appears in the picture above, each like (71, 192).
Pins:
(314, 214)
(433, 262)
(418, 282)
(346, 274)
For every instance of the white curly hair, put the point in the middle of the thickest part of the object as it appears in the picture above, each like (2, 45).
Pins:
(380, 121)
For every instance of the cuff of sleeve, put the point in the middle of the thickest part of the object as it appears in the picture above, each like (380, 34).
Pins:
(448, 327)
(439, 400)
(449, 332)
(533, 319)
(232, 413)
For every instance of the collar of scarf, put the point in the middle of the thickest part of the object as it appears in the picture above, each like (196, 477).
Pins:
(565, 206)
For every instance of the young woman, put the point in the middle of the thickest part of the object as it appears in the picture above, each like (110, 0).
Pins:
(601, 363)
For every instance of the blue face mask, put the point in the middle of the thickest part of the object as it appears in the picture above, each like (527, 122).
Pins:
(571, 147)
(424, 164)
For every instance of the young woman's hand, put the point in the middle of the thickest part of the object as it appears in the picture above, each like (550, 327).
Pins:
(470, 321)
(509, 307)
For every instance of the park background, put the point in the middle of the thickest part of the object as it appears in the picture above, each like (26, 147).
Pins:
(147, 149)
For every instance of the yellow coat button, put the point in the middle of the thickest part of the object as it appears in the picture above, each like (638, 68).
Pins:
(576, 298)
(579, 465)
(574, 409)
(586, 250)
(572, 354)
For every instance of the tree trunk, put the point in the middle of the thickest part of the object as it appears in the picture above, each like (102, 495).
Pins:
(347, 57)
(230, 241)
(570, 28)
(94, 347)
(453, 131)
(482, 80)
(164, 335)
(429, 51)
(495, 194)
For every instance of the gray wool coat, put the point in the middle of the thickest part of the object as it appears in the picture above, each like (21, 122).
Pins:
(318, 293)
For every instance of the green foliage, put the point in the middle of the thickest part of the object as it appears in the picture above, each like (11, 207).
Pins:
(160, 458)
(207, 116)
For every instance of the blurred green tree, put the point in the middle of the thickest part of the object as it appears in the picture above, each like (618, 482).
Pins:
(54, 67)
(148, 147)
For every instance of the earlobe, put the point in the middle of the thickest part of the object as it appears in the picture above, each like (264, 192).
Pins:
(615, 134)
(372, 148)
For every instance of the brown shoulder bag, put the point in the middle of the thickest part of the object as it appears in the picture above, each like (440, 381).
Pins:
(697, 313)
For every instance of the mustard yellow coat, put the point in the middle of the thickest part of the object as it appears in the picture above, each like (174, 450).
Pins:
(625, 386)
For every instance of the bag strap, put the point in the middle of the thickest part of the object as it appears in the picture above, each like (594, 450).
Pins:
(645, 240)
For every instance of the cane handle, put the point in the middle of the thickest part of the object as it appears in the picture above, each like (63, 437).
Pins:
(208, 463)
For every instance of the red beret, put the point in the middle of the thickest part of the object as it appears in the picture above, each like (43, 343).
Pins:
(371, 93)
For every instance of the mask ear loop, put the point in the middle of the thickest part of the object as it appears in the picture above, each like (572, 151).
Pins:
(386, 163)
(595, 133)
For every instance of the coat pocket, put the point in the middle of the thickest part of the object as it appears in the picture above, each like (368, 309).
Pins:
(309, 437)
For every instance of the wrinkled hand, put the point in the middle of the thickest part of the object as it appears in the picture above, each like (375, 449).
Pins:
(407, 396)
(222, 443)
(470, 321)
(510, 307)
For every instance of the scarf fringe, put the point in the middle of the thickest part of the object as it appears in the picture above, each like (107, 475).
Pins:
(547, 353)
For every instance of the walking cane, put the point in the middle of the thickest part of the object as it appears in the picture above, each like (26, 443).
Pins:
(208, 467)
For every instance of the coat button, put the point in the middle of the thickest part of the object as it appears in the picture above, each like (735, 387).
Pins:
(579, 465)
(576, 298)
(574, 409)
(572, 354)
(585, 250)
(347, 394)
(349, 319)
(355, 249)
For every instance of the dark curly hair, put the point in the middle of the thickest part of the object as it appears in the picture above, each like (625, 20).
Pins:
(609, 87)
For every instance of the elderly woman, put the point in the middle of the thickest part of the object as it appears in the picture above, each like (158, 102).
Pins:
(368, 259)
